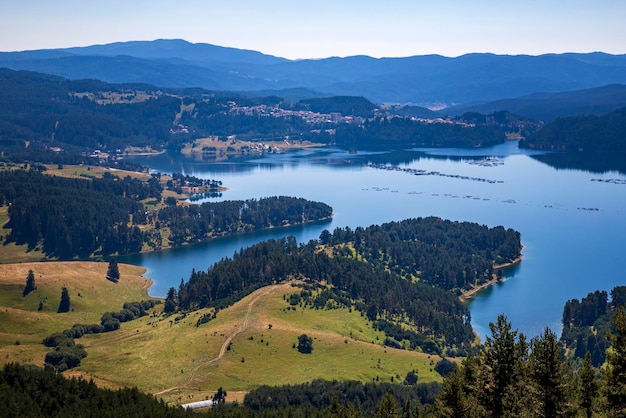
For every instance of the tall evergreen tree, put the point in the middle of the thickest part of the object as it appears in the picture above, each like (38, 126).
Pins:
(501, 362)
(64, 305)
(30, 283)
(589, 385)
(616, 367)
(170, 301)
(548, 375)
(113, 271)
(454, 401)
(388, 407)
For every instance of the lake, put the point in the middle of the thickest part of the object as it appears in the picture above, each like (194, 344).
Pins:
(572, 220)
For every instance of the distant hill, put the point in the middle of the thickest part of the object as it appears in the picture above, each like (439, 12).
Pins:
(345, 105)
(582, 133)
(51, 119)
(549, 106)
(413, 111)
(430, 80)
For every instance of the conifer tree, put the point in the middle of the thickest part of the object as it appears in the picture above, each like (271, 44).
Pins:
(64, 305)
(30, 283)
(113, 272)
(501, 362)
(454, 401)
(616, 367)
(548, 375)
(589, 385)
(388, 407)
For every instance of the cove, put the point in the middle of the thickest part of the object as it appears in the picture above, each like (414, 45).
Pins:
(572, 219)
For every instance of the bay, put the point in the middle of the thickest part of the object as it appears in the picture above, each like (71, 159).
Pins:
(572, 221)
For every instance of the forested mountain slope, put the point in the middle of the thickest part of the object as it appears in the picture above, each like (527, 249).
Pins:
(590, 133)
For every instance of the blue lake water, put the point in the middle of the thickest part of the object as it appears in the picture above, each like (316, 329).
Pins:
(573, 226)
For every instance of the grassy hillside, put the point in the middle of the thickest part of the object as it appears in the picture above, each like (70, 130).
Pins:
(22, 326)
(238, 351)
(171, 357)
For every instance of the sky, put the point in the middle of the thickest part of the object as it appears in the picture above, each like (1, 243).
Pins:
(321, 28)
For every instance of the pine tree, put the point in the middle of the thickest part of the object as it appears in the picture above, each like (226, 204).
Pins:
(453, 402)
(616, 367)
(408, 409)
(388, 407)
(501, 361)
(113, 272)
(170, 301)
(548, 375)
(64, 305)
(589, 385)
(30, 283)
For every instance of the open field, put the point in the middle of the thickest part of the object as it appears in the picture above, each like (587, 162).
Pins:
(222, 149)
(170, 357)
(23, 326)
(91, 171)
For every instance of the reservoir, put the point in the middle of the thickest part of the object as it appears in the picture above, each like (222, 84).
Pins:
(571, 214)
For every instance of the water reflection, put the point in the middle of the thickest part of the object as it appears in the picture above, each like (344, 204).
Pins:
(569, 249)
(594, 163)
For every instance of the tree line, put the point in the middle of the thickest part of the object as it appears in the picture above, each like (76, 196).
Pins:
(199, 222)
(589, 133)
(449, 255)
(587, 323)
(390, 132)
(515, 377)
(72, 217)
(83, 217)
(28, 391)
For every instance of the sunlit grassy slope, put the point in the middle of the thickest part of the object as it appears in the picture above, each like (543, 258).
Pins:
(248, 344)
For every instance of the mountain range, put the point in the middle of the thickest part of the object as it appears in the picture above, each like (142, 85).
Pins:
(430, 80)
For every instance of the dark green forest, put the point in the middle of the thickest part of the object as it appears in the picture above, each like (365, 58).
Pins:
(590, 134)
(346, 105)
(199, 222)
(587, 323)
(400, 275)
(73, 217)
(384, 132)
(27, 391)
(83, 217)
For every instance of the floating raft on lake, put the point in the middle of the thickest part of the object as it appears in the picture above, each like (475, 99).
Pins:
(419, 172)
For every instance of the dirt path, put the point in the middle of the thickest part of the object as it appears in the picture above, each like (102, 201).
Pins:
(236, 331)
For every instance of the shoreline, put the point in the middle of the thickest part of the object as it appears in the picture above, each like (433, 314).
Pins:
(469, 294)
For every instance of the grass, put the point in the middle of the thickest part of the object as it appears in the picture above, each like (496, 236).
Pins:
(180, 362)
(172, 358)
(90, 293)
(85, 171)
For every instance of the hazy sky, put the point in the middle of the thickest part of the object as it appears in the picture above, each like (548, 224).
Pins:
(321, 28)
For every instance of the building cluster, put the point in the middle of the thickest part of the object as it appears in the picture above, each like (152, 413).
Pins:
(306, 115)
